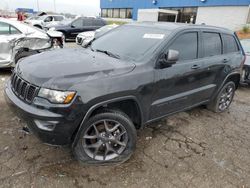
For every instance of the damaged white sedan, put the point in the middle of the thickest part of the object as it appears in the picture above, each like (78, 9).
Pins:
(19, 40)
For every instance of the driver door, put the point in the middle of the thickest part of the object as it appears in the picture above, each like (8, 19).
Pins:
(181, 85)
(8, 34)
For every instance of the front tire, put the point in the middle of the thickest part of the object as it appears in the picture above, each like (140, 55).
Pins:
(224, 98)
(106, 138)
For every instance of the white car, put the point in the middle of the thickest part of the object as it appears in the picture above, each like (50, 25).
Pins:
(43, 21)
(18, 40)
(85, 38)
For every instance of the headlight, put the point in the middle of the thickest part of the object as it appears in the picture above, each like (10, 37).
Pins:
(52, 29)
(58, 97)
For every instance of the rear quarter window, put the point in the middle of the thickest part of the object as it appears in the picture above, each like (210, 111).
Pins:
(212, 44)
(230, 44)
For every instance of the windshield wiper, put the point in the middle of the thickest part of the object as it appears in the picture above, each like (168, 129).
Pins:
(108, 53)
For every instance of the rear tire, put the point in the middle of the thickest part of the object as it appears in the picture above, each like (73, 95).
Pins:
(107, 138)
(224, 98)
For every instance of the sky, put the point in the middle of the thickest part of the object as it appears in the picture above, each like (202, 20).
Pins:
(79, 7)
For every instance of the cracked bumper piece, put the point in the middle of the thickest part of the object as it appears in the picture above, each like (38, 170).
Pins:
(49, 127)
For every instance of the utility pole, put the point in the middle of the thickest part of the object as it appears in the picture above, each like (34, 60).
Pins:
(37, 2)
(55, 6)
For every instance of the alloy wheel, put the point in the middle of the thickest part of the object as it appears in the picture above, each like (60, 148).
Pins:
(226, 98)
(105, 140)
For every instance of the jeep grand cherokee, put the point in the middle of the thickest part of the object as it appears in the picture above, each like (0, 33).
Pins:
(95, 98)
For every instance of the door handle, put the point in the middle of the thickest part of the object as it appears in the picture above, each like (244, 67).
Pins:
(225, 60)
(195, 67)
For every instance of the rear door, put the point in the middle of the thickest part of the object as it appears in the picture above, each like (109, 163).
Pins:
(76, 27)
(182, 85)
(98, 23)
(216, 63)
(90, 24)
(231, 50)
(8, 34)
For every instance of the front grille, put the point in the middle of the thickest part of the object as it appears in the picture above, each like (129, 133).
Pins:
(79, 40)
(23, 89)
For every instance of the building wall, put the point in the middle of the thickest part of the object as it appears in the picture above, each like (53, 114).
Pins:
(231, 17)
(145, 4)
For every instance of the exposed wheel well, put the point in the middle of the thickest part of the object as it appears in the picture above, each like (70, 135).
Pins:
(235, 78)
(38, 26)
(129, 107)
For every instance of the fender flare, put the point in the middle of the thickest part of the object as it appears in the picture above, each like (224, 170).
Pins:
(103, 103)
(224, 81)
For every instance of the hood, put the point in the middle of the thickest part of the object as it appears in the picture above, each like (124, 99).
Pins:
(86, 34)
(61, 69)
(55, 33)
(34, 22)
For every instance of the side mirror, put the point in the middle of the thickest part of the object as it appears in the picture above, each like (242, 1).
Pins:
(169, 58)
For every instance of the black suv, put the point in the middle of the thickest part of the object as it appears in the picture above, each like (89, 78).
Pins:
(81, 24)
(95, 98)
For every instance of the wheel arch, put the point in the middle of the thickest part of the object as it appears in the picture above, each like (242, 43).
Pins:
(39, 26)
(111, 104)
(234, 76)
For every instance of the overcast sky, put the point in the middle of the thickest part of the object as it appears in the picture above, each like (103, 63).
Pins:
(85, 7)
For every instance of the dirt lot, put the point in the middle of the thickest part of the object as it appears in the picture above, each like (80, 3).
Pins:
(191, 149)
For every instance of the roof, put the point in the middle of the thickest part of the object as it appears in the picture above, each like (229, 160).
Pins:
(179, 26)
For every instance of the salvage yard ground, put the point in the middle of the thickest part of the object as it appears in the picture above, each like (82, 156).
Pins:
(197, 148)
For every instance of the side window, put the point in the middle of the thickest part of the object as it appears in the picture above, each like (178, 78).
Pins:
(13, 30)
(187, 45)
(58, 18)
(48, 19)
(4, 29)
(98, 23)
(77, 23)
(230, 44)
(88, 22)
(212, 44)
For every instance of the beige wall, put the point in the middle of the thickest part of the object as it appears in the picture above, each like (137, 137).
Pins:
(231, 17)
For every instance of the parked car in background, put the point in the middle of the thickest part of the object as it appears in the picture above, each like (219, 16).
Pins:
(19, 40)
(61, 23)
(42, 21)
(81, 24)
(246, 68)
(94, 99)
(85, 38)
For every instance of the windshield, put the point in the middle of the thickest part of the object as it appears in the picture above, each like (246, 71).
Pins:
(246, 45)
(130, 42)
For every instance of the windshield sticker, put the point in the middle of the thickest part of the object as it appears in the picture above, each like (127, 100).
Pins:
(153, 36)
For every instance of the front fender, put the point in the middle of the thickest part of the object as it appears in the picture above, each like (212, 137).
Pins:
(104, 103)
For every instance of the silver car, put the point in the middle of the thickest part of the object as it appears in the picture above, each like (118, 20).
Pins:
(43, 21)
(86, 37)
(18, 40)
(246, 68)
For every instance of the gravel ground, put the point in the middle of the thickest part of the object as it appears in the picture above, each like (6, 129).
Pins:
(197, 148)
